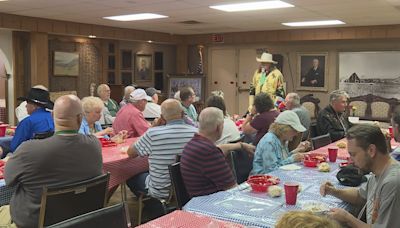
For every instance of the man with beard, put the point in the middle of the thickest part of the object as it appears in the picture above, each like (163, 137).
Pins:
(380, 195)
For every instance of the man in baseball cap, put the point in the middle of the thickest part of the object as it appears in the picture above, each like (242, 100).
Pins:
(153, 109)
(130, 117)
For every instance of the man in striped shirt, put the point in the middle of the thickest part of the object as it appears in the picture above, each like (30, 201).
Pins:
(161, 144)
(203, 166)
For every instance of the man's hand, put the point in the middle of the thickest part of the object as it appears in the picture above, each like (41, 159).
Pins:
(108, 131)
(303, 146)
(158, 122)
(326, 189)
(314, 82)
(298, 157)
(339, 215)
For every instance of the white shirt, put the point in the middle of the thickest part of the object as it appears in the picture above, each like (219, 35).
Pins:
(152, 110)
(229, 133)
(21, 111)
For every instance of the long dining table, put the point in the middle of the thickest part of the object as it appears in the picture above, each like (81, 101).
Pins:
(115, 161)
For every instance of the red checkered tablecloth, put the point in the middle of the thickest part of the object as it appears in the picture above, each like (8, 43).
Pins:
(120, 166)
(184, 219)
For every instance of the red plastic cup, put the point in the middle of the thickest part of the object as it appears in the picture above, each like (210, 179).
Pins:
(332, 152)
(391, 131)
(291, 192)
(3, 128)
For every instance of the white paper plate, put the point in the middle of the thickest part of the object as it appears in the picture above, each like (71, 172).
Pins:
(314, 206)
(290, 167)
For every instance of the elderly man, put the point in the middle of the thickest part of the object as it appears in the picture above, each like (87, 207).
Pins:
(130, 117)
(161, 144)
(127, 92)
(20, 111)
(315, 75)
(292, 102)
(380, 195)
(104, 92)
(39, 119)
(332, 119)
(153, 109)
(203, 165)
(188, 97)
(63, 160)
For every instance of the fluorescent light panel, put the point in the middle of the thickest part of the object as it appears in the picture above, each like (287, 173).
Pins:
(252, 6)
(313, 23)
(135, 17)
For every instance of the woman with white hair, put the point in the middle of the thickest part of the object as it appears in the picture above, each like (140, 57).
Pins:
(92, 109)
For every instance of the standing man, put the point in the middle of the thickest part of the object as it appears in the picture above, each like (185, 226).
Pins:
(380, 195)
(267, 79)
(315, 76)
(65, 158)
(332, 118)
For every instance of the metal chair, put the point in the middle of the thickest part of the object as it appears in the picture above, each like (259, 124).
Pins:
(62, 202)
(242, 164)
(114, 216)
(321, 141)
(181, 194)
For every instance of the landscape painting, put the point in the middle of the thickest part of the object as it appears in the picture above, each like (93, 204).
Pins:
(66, 63)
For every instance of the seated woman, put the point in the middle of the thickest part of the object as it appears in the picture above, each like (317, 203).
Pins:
(92, 109)
(230, 131)
(259, 124)
(272, 150)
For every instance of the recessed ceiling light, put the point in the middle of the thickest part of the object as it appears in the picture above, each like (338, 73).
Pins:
(92, 36)
(314, 23)
(252, 6)
(135, 17)
(150, 41)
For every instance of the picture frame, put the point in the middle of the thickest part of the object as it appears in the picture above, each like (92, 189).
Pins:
(143, 68)
(65, 63)
(312, 71)
(178, 81)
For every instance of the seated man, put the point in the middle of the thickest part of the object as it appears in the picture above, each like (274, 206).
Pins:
(161, 144)
(292, 102)
(130, 117)
(111, 106)
(396, 131)
(188, 97)
(20, 111)
(203, 165)
(39, 121)
(153, 109)
(332, 119)
(380, 195)
(127, 92)
(66, 157)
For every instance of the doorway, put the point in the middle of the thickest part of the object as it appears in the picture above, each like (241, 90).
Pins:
(3, 92)
(231, 70)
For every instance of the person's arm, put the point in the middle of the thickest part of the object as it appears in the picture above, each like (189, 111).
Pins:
(246, 126)
(350, 195)
(272, 156)
(227, 148)
(347, 218)
(14, 168)
(22, 133)
(132, 151)
(220, 173)
(142, 147)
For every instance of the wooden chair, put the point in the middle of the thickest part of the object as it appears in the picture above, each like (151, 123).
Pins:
(371, 107)
(321, 141)
(61, 202)
(114, 216)
(311, 104)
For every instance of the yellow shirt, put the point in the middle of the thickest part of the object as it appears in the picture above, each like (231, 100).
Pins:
(273, 82)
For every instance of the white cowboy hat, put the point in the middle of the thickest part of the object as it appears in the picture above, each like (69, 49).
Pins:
(266, 58)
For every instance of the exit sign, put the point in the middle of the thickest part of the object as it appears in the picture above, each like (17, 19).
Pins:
(217, 38)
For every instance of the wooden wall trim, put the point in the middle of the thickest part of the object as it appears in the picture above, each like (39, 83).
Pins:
(34, 24)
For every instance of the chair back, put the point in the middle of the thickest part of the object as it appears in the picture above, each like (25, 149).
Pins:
(182, 196)
(321, 141)
(63, 202)
(43, 135)
(114, 216)
(242, 164)
(313, 132)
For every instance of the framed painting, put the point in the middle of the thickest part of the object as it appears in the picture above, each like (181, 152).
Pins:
(143, 68)
(66, 63)
(312, 71)
(178, 81)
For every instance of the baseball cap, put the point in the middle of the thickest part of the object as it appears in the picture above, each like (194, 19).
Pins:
(139, 94)
(151, 91)
(290, 118)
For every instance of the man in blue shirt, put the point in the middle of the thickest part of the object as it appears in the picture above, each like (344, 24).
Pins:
(39, 121)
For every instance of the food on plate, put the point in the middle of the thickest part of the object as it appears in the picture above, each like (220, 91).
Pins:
(315, 207)
(324, 167)
(341, 144)
(275, 191)
(124, 149)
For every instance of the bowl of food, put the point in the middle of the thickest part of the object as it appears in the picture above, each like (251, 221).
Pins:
(315, 207)
(260, 183)
(310, 163)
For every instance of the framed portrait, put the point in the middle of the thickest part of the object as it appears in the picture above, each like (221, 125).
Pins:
(178, 81)
(66, 63)
(312, 71)
(143, 68)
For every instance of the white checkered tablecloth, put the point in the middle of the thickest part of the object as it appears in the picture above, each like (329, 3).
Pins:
(242, 205)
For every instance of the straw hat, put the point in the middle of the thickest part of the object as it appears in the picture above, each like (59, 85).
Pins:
(266, 58)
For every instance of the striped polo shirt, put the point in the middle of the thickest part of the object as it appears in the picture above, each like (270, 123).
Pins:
(162, 144)
(203, 167)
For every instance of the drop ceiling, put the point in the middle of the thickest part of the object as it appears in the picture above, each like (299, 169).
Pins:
(353, 12)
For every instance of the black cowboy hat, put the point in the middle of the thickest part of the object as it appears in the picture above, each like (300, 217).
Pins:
(39, 97)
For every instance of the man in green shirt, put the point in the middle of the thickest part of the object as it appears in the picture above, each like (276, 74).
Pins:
(104, 93)
(188, 97)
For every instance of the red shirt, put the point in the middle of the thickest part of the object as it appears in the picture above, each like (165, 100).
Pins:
(131, 119)
(203, 167)
(262, 122)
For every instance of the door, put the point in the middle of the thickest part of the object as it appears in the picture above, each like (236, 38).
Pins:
(247, 66)
(223, 76)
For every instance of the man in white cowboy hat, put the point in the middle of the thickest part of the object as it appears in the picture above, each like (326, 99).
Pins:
(267, 79)
(39, 119)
